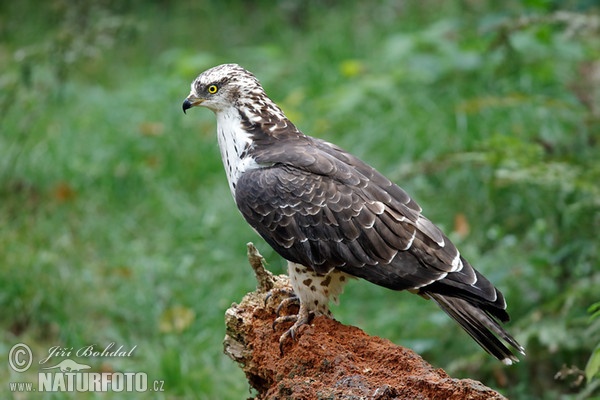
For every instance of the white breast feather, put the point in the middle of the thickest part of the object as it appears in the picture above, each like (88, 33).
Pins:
(233, 140)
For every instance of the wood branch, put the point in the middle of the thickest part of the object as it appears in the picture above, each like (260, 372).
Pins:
(328, 359)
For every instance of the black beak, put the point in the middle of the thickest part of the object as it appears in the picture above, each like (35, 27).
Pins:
(186, 105)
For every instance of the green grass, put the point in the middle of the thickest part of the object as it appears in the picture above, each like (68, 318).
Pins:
(116, 221)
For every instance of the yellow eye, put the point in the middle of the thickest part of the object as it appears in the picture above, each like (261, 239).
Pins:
(212, 89)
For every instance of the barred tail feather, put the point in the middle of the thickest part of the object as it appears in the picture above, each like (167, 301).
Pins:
(482, 327)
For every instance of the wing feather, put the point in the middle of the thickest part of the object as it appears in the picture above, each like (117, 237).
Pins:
(320, 206)
(318, 221)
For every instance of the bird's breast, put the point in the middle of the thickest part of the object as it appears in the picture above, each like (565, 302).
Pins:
(235, 144)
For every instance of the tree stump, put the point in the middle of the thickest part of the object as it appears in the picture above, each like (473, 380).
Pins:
(328, 360)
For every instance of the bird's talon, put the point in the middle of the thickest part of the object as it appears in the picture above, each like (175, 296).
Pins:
(271, 293)
(304, 317)
(267, 298)
(285, 318)
(286, 303)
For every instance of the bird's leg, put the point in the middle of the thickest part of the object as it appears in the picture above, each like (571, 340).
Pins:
(285, 303)
(291, 300)
(288, 293)
(304, 316)
(312, 291)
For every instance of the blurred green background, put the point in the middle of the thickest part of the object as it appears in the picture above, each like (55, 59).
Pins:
(116, 222)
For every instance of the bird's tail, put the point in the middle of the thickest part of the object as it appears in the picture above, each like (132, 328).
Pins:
(482, 327)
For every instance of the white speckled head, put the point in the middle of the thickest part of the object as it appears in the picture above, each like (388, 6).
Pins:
(223, 87)
(230, 86)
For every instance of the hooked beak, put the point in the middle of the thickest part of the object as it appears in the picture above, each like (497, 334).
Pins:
(191, 101)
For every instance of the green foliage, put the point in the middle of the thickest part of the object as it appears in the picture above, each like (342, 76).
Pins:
(592, 369)
(115, 218)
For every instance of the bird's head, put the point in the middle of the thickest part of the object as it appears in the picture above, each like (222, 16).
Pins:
(222, 87)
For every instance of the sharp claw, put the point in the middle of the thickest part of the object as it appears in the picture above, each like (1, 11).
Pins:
(290, 333)
(267, 297)
(286, 303)
(289, 293)
(285, 318)
(303, 317)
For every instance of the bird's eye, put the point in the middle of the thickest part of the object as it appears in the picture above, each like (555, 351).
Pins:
(212, 89)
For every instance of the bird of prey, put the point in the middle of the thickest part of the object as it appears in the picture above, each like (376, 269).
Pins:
(332, 216)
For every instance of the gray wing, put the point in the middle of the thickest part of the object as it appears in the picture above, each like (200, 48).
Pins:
(324, 208)
(321, 207)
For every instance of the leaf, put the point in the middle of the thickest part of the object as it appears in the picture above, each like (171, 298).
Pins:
(351, 68)
(594, 310)
(461, 225)
(592, 369)
(63, 192)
